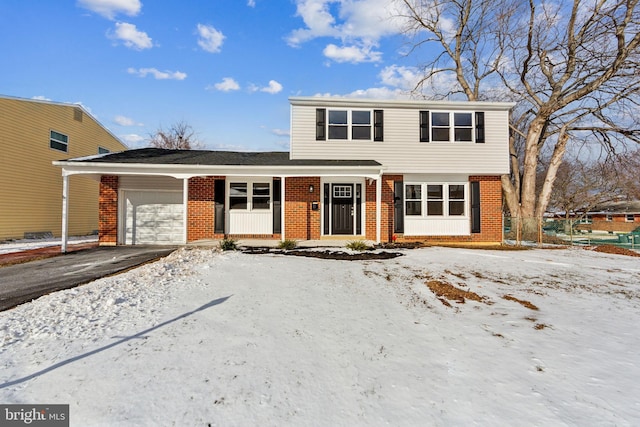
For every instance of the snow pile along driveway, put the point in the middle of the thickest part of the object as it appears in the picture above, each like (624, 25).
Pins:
(209, 338)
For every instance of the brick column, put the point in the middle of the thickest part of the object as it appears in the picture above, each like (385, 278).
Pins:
(300, 221)
(108, 211)
(200, 209)
(490, 209)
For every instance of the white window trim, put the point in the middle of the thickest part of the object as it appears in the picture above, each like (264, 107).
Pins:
(445, 200)
(350, 124)
(452, 127)
(250, 183)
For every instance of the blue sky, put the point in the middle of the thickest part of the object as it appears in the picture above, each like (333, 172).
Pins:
(226, 67)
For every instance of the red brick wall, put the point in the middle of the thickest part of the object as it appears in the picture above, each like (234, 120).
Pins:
(108, 210)
(300, 221)
(200, 209)
(386, 214)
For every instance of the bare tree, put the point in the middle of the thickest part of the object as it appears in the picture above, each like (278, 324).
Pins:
(179, 136)
(581, 185)
(573, 67)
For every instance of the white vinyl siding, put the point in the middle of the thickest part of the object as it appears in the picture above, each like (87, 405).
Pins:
(401, 151)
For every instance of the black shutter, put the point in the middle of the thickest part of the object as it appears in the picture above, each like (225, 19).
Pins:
(424, 126)
(398, 207)
(218, 200)
(377, 125)
(475, 207)
(480, 127)
(321, 127)
(277, 206)
(325, 209)
(358, 209)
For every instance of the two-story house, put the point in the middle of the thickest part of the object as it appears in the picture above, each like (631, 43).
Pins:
(357, 169)
(33, 133)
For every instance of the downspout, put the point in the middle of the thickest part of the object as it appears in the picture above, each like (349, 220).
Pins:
(378, 207)
(185, 203)
(283, 205)
(65, 211)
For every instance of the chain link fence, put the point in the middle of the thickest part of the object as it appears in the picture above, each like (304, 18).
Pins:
(567, 232)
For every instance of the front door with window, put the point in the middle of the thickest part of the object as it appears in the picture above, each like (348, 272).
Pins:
(342, 209)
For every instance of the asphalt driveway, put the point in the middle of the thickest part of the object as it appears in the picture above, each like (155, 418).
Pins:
(24, 282)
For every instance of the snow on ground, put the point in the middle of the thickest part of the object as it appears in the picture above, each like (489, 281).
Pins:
(230, 339)
(28, 244)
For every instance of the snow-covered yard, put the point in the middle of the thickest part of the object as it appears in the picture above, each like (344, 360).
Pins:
(224, 338)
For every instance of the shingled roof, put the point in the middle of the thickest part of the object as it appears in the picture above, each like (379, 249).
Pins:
(160, 156)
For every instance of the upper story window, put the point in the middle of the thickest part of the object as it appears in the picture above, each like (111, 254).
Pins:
(102, 150)
(450, 126)
(345, 124)
(58, 141)
(630, 217)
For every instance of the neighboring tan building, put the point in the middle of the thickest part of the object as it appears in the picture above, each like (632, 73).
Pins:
(357, 169)
(34, 133)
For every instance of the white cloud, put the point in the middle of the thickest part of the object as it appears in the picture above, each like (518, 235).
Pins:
(132, 139)
(126, 121)
(281, 132)
(227, 84)
(158, 75)
(353, 54)
(41, 98)
(273, 88)
(396, 76)
(251, 3)
(210, 39)
(131, 37)
(110, 8)
(364, 20)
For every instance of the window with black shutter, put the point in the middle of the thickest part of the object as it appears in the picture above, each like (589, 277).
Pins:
(321, 123)
(424, 126)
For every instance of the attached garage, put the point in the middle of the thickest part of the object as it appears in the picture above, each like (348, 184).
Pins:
(151, 216)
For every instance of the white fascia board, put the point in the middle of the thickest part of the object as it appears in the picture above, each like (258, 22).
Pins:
(189, 171)
(399, 103)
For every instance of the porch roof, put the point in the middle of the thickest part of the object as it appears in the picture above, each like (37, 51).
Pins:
(189, 163)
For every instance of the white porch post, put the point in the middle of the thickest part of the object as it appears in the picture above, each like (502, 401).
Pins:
(378, 207)
(65, 211)
(283, 192)
(185, 204)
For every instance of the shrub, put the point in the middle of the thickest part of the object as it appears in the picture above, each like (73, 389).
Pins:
(228, 245)
(358, 245)
(287, 244)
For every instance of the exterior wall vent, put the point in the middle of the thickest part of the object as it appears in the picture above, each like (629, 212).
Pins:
(77, 114)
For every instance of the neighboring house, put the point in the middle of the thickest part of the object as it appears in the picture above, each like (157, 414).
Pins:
(357, 169)
(34, 133)
(621, 217)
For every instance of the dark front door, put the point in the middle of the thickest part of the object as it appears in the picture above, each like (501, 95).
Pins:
(342, 209)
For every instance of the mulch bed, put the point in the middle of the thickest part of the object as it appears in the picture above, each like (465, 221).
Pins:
(326, 254)
(611, 249)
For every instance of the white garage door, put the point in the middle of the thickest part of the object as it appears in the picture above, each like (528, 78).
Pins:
(153, 217)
